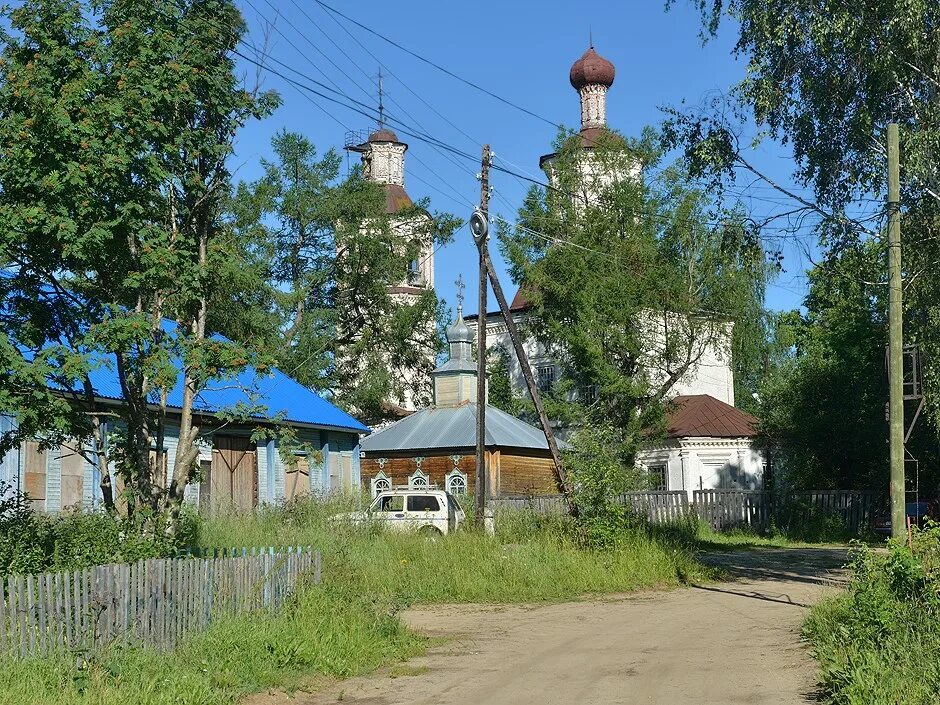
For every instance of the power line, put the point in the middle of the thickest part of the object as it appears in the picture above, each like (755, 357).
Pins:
(338, 90)
(366, 49)
(436, 65)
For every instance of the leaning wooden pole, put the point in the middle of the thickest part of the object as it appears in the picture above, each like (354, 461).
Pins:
(560, 475)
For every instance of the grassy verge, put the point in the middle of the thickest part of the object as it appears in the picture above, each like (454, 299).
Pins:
(879, 643)
(349, 624)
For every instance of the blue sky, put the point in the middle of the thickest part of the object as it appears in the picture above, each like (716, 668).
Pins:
(520, 50)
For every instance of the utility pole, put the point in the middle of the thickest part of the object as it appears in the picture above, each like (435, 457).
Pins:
(480, 236)
(479, 226)
(895, 339)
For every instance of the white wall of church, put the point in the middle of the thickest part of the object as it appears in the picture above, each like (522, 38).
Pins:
(706, 463)
(710, 373)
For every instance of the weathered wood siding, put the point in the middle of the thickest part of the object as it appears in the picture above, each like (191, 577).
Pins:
(436, 467)
(526, 475)
(510, 473)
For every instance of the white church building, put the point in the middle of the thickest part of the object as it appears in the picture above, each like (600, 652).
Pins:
(709, 443)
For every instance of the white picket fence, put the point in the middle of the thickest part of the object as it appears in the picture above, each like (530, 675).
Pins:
(152, 602)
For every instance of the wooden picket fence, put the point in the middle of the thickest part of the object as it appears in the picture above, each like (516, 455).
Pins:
(759, 510)
(729, 509)
(658, 507)
(152, 602)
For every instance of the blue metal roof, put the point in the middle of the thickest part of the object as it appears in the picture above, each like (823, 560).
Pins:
(273, 396)
(280, 396)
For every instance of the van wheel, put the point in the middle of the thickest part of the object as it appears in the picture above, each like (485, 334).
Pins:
(430, 532)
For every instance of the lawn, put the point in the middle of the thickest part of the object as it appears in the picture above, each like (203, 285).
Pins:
(350, 624)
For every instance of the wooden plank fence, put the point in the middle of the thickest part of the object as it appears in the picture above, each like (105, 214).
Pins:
(728, 509)
(152, 602)
(659, 507)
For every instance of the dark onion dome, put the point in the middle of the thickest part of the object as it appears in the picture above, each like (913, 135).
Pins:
(591, 68)
(383, 135)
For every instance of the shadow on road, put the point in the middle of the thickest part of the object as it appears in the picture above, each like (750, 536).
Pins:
(817, 566)
(779, 597)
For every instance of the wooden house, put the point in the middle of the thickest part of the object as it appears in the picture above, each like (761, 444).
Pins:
(242, 465)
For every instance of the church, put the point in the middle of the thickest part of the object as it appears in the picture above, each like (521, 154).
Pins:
(709, 443)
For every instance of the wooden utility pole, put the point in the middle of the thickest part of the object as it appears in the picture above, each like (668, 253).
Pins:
(481, 489)
(895, 339)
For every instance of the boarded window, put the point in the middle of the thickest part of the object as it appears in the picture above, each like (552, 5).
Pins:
(233, 476)
(34, 474)
(73, 476)
(297, 478)
(340, 468)
(161, 471)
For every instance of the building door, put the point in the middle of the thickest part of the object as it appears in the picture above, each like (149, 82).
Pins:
(233, 475)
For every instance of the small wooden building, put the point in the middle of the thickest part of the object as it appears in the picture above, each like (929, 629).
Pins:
(437, 445)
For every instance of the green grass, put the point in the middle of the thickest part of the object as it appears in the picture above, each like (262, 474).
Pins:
(350, 623)
(831, 534)
(879, 642)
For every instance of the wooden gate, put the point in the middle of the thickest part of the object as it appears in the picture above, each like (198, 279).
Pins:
(233, 475)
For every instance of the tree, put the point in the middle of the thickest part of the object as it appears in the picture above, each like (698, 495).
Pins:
(823, 406)
(334, 254)
(825, 79)
(632, 283)
(118, 119)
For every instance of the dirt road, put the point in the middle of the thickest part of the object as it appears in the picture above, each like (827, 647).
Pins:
(734, 642)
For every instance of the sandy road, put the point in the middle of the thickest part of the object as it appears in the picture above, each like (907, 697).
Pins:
(734, 642)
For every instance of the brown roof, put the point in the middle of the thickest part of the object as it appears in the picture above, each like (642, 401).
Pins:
(396, 199)
(383, 135)
(702, 415)
(519, 301)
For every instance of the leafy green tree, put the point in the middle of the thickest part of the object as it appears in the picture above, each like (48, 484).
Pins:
(823, 407)
(825, 79)
(499, 389)
(335, 253)
(118, 120)
(631, 284)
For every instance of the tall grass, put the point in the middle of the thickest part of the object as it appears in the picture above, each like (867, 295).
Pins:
(879, 643)
(350, 624)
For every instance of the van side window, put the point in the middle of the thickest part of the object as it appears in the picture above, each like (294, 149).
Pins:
(423, 503)
(391, 503)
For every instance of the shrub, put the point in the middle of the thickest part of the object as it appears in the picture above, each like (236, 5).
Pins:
(31, 542)
(878, 643)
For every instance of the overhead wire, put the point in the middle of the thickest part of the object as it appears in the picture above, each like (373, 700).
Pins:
(435, 65)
